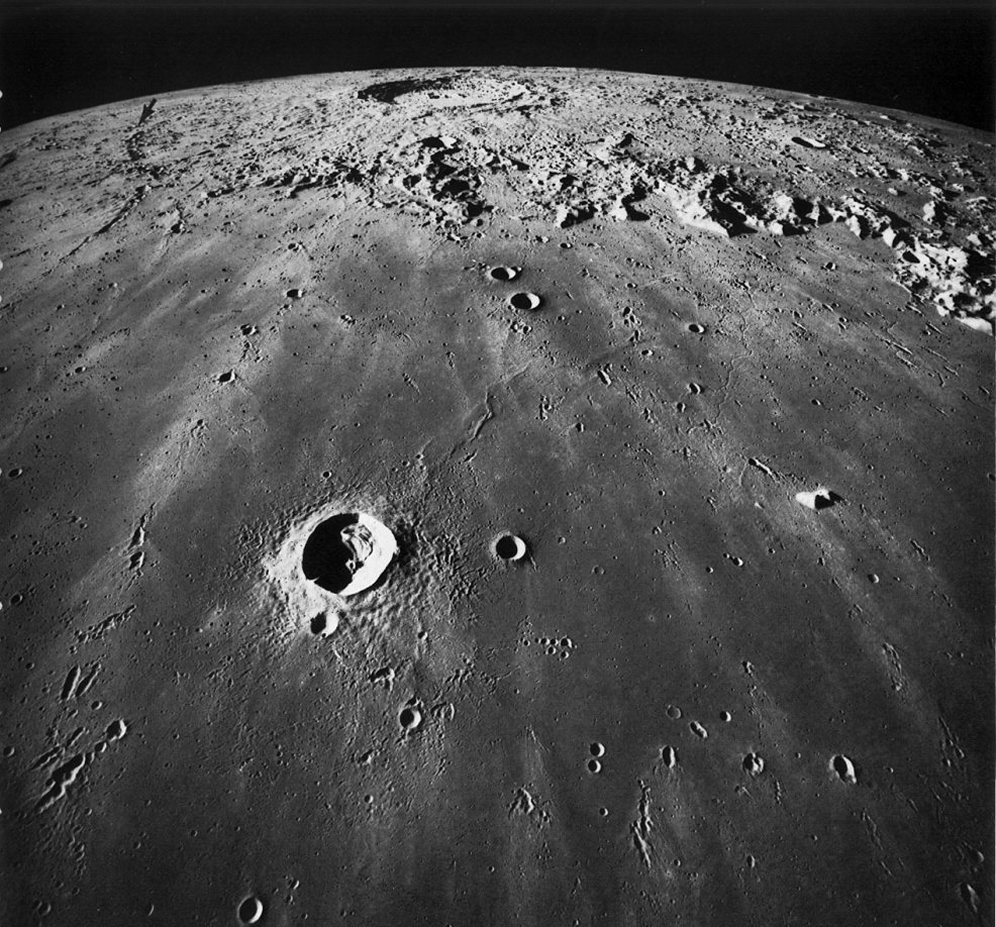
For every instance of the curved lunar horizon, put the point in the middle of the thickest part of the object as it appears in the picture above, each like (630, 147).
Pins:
(496, 495)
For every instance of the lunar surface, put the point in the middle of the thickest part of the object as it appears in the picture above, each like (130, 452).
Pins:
(492, 497)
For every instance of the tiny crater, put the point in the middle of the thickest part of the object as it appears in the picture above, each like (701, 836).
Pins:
(674, 712)
(524, 301)
(296, 293)
(503, 273)
(510, 547)
(410, 718)
(227, 377)
(597, 749)
(753, 764)
(819, 499)
(698, 730)
(594, 767)
(669, 757)
(808, 142)
(844, 769)
(116, 730)
(250, 910)
(319, 623)
(696, 329)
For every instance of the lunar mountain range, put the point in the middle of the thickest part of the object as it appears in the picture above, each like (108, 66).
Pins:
(496, 496)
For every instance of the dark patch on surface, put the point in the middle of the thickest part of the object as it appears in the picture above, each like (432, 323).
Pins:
(525, 301)
(147, 110)
(325, 560)
(828, 499)
(389, 91)
(808, 142)
(510, 547)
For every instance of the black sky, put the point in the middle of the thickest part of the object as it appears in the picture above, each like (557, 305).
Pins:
(931, 58)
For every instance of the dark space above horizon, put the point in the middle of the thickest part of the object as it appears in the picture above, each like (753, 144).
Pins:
(924, 58)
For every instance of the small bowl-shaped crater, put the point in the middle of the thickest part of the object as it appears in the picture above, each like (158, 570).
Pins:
(525, 301)
(504, 273)
(753, 764)
(250, 910)
(348, 553)
(509, 547)
(844, 769)
(409, 718)
(820, 498)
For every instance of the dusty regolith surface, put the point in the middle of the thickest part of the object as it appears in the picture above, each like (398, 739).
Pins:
(231, 314)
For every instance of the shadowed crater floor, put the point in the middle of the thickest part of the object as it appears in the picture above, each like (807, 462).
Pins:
(327, 559)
